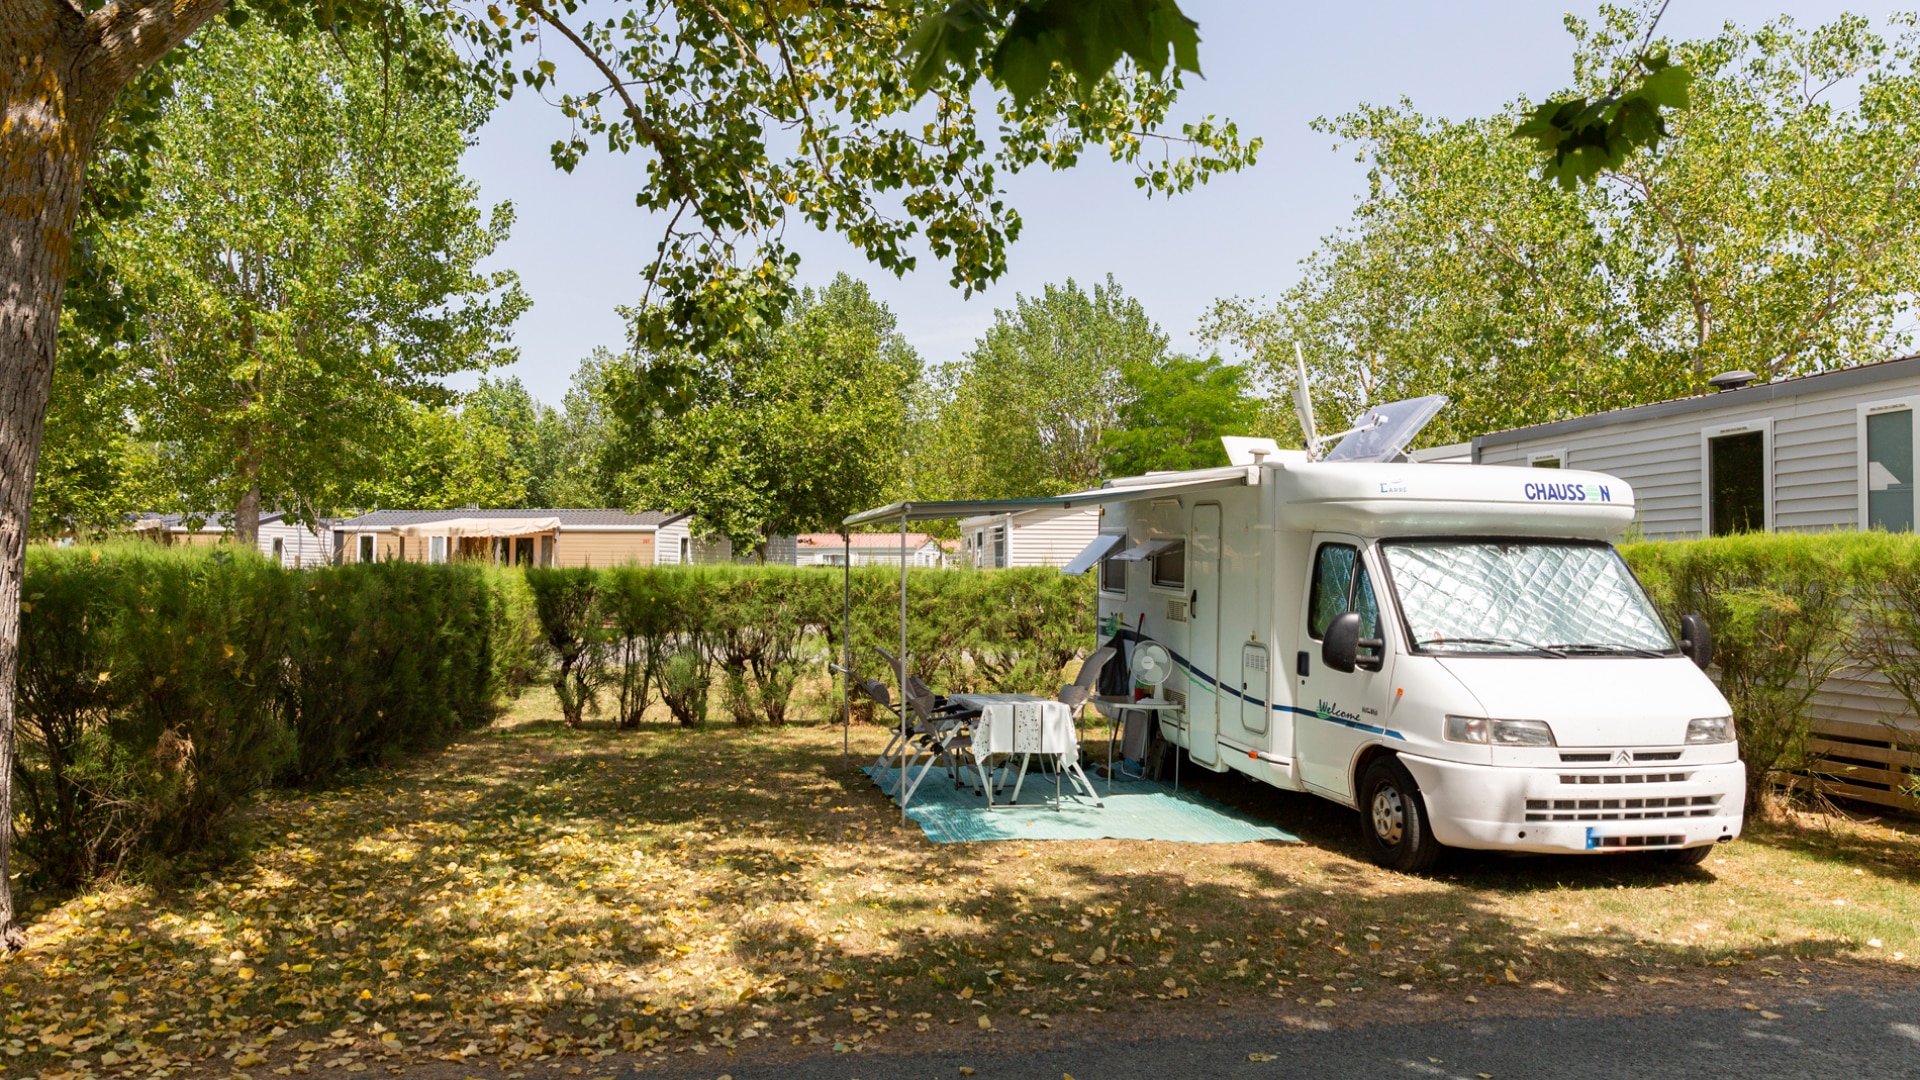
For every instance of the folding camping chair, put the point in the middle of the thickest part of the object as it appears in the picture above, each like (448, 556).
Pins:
(939, 732)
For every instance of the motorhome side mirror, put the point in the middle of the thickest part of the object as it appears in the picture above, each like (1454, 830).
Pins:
(1341, 648)
(1696, 644)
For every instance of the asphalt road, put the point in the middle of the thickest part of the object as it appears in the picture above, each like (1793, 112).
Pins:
(1854, 1037)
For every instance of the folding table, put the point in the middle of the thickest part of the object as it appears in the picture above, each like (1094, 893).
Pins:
(1026, 725)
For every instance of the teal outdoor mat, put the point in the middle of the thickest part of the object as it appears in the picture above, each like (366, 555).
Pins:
(1137, 810)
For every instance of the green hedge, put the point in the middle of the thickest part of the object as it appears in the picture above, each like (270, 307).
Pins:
(1788, 612)
(681, 634)
(158, 688)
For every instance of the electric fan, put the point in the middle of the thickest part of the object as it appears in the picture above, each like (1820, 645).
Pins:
(1151, 664)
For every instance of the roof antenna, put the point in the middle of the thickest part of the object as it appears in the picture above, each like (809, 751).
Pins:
(1303, 404)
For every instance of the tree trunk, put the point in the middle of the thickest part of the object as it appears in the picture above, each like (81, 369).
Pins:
(60, 70)
(246, 518)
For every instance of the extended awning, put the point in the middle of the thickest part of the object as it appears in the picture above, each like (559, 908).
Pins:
(477, 527)
(1145, 487)
(1092, 553)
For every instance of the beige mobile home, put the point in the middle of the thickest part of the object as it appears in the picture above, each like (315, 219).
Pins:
(560, 537)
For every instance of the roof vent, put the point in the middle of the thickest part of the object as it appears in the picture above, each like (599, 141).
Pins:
(1732, 380)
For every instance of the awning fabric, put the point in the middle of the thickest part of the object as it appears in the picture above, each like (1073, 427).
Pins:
(1120, 491)
(470, 527)
(1091, 553)
(1145, 549)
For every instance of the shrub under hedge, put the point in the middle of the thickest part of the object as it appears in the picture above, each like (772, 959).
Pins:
(158, 688)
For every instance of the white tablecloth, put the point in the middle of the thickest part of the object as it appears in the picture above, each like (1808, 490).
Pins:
(1020, 724)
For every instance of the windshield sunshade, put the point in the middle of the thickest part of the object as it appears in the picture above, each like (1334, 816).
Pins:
(1472, 596)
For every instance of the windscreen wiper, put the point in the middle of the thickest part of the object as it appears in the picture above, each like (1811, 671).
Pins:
(1599, 648)
(1510, 643)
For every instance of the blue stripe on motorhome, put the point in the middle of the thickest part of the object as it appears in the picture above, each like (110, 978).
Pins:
(1132, 635)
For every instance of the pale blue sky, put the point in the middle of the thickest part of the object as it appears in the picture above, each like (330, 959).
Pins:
(580, 244)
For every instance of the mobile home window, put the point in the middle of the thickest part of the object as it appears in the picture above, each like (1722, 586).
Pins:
(279, 549)
(686, 550)
(999, 547)
(366, 547)
(1551, 459)
(1737, 483)
(436, 549)
(1113, 575)
(1170, 567)
(1890, 471)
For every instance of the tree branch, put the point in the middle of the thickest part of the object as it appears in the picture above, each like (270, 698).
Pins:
(126, 37)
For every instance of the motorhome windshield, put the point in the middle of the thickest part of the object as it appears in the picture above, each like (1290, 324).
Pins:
(1524, 597)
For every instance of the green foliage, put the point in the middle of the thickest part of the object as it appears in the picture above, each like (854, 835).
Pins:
(670, 628)
(306, 257)
(149, 701)
(859, 151)
(159, 688)
(567, 603)
(1773, 231)
(1174, 410)
(1582, 138)
(1085, 38)
(783, 432)
(1785, 611)
(1027, 411)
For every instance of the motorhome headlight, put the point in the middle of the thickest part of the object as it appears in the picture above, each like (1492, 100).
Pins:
(1471, 729)
(1522, 733)
(1710, 729)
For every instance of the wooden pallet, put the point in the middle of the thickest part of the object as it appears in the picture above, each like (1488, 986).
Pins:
(1868, 762)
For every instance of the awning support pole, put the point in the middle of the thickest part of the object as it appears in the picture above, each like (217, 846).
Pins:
(901, 786)
(846, 643)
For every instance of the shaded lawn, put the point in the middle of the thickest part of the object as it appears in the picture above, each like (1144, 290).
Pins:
(539, 899)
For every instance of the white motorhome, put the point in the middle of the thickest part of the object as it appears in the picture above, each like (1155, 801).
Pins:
(1457, 651)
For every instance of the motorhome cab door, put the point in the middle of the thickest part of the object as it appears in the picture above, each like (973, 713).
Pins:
(1348, 708)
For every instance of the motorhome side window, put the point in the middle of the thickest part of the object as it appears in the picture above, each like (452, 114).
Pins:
(1170, 567)
(1113, 575)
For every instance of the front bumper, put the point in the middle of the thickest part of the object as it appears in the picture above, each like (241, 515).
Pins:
(1578, 808)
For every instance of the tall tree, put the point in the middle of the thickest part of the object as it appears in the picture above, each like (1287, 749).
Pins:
(1776, 229)
(308, 251)
(1027, 410)
(790, 431)
(443, 459)
(535, 436)
(1173, 411)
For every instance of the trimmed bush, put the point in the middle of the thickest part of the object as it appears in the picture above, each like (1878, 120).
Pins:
(151, 700)
(567, 603)
(755, 631)
(1788, 612)
(160, 688)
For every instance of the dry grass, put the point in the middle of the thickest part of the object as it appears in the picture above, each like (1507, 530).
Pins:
(536, 899)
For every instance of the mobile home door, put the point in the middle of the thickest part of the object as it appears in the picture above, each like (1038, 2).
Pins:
(1203, 636)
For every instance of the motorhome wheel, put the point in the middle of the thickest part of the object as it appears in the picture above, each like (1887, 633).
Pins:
(1393, 819)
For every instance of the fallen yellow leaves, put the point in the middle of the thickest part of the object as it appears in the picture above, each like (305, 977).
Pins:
(544, 901)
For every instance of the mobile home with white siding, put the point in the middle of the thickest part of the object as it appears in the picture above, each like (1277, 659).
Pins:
(1822, 452)
(1812, 454)
(1039, 537)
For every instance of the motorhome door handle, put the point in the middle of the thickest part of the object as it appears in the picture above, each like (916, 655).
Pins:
(1301, 664)
(1193, 601)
